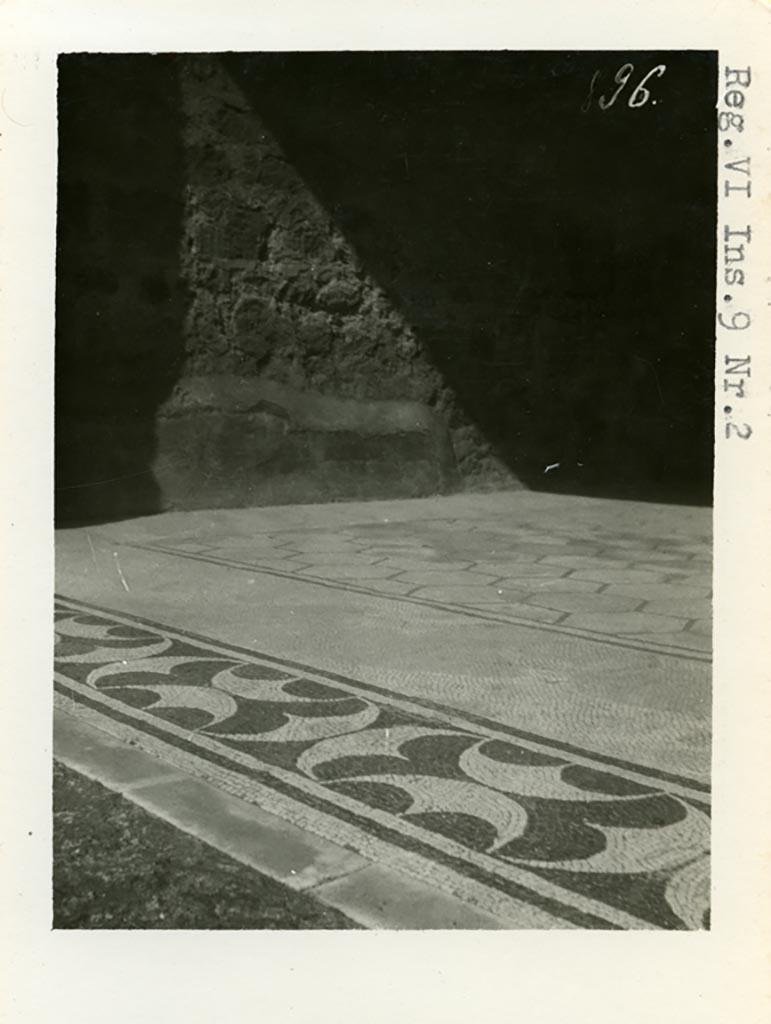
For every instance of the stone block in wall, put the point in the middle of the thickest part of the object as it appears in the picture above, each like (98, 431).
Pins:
(207, 165)
(238, 235)
(314, 333)
(228, 442)
(292, 282)
(257, 328)
(339, 296)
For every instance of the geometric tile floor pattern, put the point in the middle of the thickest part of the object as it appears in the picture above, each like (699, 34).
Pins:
(649, 594)
(594, 841)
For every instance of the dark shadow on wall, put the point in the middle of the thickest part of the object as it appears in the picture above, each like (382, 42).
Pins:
(556, 259)
(120, 305)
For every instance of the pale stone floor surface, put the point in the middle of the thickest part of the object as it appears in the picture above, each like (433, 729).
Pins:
(472, 711)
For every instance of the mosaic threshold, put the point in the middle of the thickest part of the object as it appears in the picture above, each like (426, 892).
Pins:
(478, 808)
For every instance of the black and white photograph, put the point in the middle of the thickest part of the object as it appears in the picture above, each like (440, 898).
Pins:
(384, 393)
(384, 404)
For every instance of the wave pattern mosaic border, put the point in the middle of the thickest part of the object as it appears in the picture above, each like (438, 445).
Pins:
(596, 843)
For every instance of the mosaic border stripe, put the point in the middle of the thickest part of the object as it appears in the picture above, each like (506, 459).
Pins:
(647, 647)
(634, 770)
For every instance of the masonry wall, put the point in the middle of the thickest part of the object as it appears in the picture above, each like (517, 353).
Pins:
(278, 291)
(448, 229)
(554, 259)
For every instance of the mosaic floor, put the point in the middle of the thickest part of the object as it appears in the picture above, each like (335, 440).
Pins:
(477, 806)
(640, 592)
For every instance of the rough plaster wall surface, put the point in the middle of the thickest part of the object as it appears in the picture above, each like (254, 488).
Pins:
(227, 441)
(276, 290)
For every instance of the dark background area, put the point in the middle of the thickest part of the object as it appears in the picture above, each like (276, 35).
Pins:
(120, 297)
(559, 264)
(555, 260)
